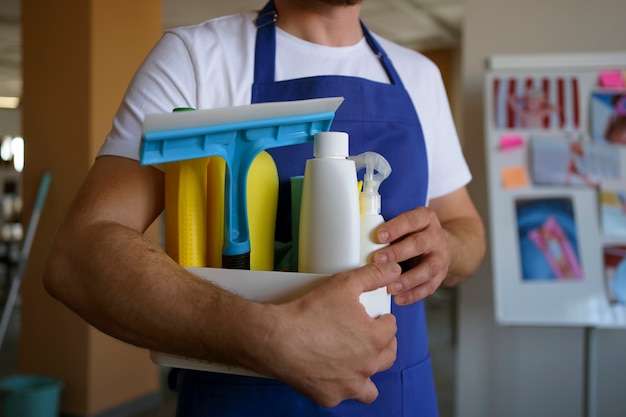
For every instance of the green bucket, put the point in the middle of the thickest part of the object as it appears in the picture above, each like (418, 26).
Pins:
(30, 396)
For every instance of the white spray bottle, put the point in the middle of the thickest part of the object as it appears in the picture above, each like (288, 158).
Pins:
(377, 169)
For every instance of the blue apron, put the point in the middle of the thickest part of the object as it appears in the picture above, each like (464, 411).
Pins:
(378, 117)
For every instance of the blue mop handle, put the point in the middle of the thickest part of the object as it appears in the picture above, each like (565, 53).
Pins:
(16, 280)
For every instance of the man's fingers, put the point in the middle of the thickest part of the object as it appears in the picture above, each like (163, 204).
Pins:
(369, 393)
(408, 247)
(419, 282)
(388, 356)
(403, 224)
(365, 392)
(374, 276)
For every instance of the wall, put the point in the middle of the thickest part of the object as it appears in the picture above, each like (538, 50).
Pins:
(527, 371)
(78, 58)
(447, 60)
(10, 122)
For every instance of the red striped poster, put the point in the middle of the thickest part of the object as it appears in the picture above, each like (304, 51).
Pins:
(536, 102)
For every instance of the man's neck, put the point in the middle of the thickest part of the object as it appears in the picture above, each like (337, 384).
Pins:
(320, 23)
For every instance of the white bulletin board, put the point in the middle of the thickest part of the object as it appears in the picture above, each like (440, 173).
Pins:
(556, 168)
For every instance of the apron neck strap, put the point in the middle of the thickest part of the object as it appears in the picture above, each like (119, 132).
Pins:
(265, 52)
(265, 49)
(267, 15)
(382, 56)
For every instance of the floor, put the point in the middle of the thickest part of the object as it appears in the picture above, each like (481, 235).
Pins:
(441, 318)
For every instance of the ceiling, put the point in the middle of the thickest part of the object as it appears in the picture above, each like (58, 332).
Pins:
(418, 23)
(421, 24)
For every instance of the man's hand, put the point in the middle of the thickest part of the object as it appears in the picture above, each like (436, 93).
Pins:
(324, 343)
(442, 243)
(418, 238)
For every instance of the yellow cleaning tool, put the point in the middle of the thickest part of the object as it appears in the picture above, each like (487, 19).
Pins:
(186, 211)
(261, 202)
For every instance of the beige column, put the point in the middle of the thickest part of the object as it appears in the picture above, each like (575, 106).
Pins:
(78, 57)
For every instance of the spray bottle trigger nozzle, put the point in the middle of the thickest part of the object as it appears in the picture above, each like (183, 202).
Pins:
(377, 169)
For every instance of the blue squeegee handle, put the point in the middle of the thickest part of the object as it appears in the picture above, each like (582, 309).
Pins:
(24, 254)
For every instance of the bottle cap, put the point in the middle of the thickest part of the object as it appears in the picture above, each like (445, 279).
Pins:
(331, 144)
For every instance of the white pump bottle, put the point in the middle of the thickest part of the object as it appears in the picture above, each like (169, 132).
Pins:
(379, 301)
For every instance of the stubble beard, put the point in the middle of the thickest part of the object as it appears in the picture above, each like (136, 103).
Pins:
(340, 2)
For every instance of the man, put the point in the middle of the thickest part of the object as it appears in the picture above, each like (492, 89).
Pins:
(324, 354)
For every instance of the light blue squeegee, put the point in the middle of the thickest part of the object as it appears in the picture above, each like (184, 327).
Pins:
(237, 134)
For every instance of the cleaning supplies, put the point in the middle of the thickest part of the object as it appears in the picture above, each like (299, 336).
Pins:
(186, 209)
(329, 212)
(236, 134)
(377, 169)
(296, 199)
(261, 203)
(194, 210)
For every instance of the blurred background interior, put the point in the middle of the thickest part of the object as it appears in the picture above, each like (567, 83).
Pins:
(63, 70)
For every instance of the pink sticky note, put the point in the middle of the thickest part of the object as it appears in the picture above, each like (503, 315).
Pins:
(612, 79)
(511, 141)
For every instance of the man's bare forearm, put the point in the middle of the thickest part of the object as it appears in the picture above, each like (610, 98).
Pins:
(466, 239)
(124, 285)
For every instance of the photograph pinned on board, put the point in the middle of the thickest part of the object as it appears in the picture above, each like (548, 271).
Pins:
(563, 161)
(548, 240)
(539, 102)
(608, 117)
(612, 201)
(615, 273)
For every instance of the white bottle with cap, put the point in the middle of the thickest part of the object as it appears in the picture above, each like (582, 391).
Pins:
(377, 169)
(329, 236)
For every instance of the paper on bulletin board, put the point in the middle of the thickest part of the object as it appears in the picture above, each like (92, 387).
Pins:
(514, 177)
(611, 78)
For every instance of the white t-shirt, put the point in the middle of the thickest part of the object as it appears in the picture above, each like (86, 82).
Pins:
(211, 65)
